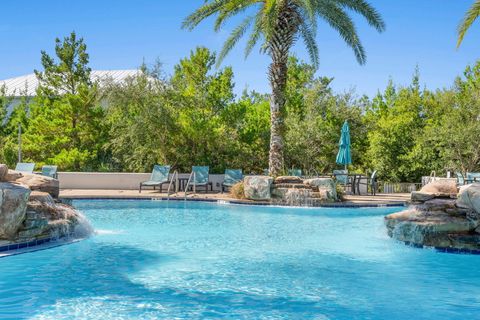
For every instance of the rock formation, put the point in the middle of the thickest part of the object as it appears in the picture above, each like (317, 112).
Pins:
(289, 190)
(257, 187)
(29, 209)
(440, 217)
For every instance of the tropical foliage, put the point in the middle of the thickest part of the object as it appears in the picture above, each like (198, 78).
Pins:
(193, 117)
(470, 17)
(276, 25)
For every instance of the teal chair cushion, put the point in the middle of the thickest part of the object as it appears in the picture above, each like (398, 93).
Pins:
(341, 176)
(25, 167)
(201, 174)
(159, 174)
(49, 171)
(295, 172)
(232, 176)
(460, 178)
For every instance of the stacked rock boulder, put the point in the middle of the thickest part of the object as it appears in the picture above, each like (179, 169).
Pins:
(290, 190)
(29, 209)
(441, 216)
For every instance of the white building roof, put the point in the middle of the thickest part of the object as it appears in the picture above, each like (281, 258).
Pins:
(27, 85)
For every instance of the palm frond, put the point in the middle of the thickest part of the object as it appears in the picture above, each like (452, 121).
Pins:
(367, 11)
(255, 35)
(339, 20)
(470, 17)
(269, 23)
(231, 9)
(208, 9)
(234, 37)
(308, 36)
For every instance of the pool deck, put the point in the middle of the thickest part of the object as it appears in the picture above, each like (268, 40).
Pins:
(349, 200)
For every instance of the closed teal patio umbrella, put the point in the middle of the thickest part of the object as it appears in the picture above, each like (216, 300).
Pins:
(344, 157)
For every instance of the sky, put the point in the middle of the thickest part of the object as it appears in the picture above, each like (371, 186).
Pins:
(120, 34)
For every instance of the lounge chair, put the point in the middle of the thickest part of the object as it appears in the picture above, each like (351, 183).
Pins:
(159, 177)
(232, 176)
(370, 182)
(25, 167)
(460, 178)
(50, 171)
(199, 178)
(341, 176)
(295, 172)
(473, 177)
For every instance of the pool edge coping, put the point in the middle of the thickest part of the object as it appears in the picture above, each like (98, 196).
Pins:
(241, 202)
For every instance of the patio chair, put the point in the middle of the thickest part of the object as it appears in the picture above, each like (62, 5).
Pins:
(232, 176)
(473, 177)
(295, 172)
(370, 182)
(199, 178)
(341, 176)
(50, 171)
(25, 167)
(159, 177)
(460, 178)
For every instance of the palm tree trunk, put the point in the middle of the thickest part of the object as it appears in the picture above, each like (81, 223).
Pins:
(278, 82)
(279, 45)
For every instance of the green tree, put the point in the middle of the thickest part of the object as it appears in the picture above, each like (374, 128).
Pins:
(70, 72)
(249, 122)
(5, 101)
(470, 17)
(202, 97)
(313, 128)
(141, 115)
(278, 24)
(453, 127)
(65, 125)
(13, 113)
(399, 121)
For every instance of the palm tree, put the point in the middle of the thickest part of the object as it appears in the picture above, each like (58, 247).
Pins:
(277, 24)
(472, 14)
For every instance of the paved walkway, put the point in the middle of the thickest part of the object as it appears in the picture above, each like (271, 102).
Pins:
(380, 199)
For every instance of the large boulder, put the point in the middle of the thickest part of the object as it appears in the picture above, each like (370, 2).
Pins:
(469, 197)
(257, 187)
(13, 205)
(440, 187)
(326, 187)
(41, 183)
(433, 229)
(42, 197)
(288, 180)
(12, 176)
(3, 171)
(418, 196)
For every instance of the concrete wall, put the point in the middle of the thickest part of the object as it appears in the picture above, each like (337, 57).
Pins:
(116, 181)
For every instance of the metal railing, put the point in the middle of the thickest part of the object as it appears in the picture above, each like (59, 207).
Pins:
(399, 187)
(188, 183)
(174, 176)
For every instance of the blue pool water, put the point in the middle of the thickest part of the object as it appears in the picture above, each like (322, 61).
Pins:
(176, 260)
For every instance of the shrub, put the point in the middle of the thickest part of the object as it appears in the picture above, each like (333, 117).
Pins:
(237, 191)
(340, 192)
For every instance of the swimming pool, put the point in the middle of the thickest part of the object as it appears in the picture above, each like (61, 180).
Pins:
(159, 259)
